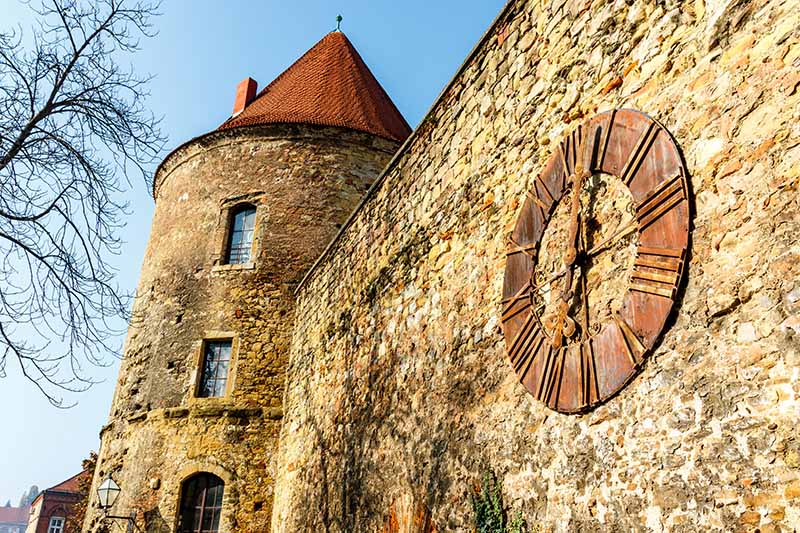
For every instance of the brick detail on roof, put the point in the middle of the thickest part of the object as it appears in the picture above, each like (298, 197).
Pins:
(71, 484)
(331, 86)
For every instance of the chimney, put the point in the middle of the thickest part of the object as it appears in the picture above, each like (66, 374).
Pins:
(245, 93)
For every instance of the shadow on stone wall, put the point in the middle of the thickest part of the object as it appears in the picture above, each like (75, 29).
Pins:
(349, 482)
(154, 522)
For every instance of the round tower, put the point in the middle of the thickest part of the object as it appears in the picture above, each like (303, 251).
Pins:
(241, 214)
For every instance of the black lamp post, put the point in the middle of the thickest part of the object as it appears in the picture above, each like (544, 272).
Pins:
(107, 494)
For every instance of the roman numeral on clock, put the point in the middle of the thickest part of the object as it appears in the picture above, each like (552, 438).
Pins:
(562, 151)
(566, 155)
(589, 385)
(513, 249)
(544, 209)
(638, 153)
(571, 150)
(525, 345)
(657, 271)
(664, 197)
(577, 145)
(552, 370)
(599, 149)
(633, 346)
(511, 305)
(539, 183)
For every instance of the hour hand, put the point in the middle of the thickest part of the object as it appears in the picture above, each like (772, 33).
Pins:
(623, 229)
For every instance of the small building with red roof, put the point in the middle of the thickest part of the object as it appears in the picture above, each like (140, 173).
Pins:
(50, 511)
(13, 519)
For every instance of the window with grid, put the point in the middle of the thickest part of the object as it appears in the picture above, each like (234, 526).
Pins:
(56, 525)
(240, 236)
(201, 504)
(216, 363)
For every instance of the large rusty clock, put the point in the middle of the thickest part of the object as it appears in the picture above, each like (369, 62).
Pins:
(595, 260)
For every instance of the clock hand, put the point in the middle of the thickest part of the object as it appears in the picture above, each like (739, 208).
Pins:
(623, 230)
(542, 285)
(584, 296)
(563, 324)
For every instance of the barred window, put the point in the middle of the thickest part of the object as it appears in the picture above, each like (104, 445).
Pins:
(240, 235)
(201, 504)
(216, 363)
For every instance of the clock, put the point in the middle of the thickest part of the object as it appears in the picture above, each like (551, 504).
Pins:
(595, 260)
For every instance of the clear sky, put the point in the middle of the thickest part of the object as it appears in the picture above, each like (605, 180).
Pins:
(204, 48)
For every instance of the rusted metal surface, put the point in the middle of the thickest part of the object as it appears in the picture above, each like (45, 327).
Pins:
(566, 361)
(406, 516)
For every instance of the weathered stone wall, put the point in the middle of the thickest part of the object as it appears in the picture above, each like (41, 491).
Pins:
(398, 384)
(305, 181)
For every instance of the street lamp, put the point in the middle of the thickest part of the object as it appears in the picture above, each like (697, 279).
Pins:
(107, 494)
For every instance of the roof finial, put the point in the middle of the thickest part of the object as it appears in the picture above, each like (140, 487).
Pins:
(339, 20)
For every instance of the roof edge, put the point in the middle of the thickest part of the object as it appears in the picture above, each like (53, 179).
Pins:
(55, 488)
(379, 85)
(241, 129)
(37, 498)
(404, 148)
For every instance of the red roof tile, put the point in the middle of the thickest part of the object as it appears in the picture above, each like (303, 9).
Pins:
(14, 515)
(71, 484)
(330, 86)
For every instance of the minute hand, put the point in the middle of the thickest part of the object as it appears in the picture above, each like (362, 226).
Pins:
(624, 230)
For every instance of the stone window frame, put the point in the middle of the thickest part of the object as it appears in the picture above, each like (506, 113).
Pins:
(240, 235)
(215, 353)
(224, 223)
(199, 360)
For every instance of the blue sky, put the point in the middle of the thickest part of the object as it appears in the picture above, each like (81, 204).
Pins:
(204, 48)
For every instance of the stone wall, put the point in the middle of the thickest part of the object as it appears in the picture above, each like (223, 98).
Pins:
(304, 181)
(398, 386)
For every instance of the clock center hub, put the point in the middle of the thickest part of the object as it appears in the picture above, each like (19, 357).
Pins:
(604, 262)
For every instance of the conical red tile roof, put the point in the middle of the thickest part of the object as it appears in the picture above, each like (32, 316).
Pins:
(330, 86)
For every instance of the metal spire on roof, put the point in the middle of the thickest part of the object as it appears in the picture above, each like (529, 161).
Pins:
(339, 20)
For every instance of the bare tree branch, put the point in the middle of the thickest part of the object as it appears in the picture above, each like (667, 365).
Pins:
(74, 128)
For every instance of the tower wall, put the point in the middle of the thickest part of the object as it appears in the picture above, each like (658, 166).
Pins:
(304, 181)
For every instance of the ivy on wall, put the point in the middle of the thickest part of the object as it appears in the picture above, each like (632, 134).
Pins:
(489, 513)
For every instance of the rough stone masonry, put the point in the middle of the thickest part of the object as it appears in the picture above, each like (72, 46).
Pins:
(398, 385)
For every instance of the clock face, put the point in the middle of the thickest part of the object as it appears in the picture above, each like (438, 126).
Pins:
(595, 260)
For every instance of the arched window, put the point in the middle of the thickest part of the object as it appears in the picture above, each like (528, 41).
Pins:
(240, 234)
(201, 504)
